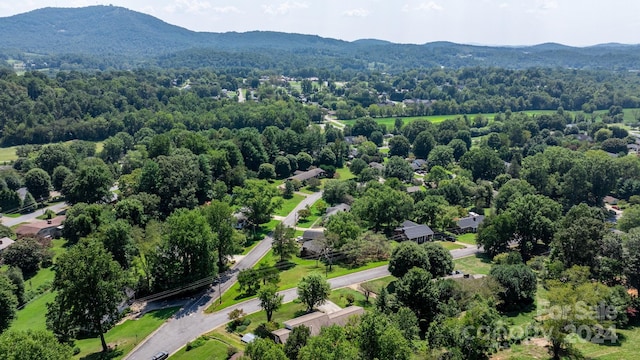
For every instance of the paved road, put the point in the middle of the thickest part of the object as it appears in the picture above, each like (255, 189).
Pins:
(191, 321)
(8, 221)
(188, 325)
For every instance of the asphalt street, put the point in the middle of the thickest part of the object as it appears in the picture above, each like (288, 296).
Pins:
(188, 325)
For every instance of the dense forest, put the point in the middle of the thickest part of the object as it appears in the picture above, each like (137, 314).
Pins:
(37, 109)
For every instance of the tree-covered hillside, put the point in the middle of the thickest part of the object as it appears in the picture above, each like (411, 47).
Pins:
(100, 37)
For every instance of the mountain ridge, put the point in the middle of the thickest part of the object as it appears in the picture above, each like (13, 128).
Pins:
(127, 36)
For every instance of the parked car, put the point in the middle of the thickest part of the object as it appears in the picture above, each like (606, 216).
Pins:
(162, 355)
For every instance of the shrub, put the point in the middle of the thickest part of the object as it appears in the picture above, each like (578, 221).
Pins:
(196, 343)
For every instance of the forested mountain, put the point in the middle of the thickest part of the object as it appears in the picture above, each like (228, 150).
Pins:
(108, 36)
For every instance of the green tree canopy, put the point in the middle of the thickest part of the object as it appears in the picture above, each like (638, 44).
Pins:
(313, 290)
(89, 287)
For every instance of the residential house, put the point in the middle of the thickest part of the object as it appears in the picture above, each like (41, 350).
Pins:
(413, 189)
(342, 207)
(419, 165)
(315, 321)
(409, 230)
(376, 166)
(45, 228)
(5, 242)
(306, 175)
(241, 220)
(610, 200)
(313, 243)
(469, 223)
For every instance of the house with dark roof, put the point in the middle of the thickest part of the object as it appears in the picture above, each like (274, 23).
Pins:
(409, 230)
(315, 321)
(313, 243)
(469, 223)
(306, 175)
(419, 165)
(376, 165)
(342, 207)
(44, 228)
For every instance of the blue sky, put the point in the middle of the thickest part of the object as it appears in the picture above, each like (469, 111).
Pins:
(489, 22)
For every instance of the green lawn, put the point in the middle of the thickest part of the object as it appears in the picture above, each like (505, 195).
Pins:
(449, 245)
(390, 121)
(126, 336)
(212, 349)
(8, 154)
(32, 316)
(476, 264)
(339, 297)
(378, 284)
(288, 205)
(344, 174)
(315, 217)
(468, 238)
(289, 277)
(286, 312)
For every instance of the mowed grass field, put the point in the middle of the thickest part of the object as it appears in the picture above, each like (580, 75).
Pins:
(389, 122)
(8, 154)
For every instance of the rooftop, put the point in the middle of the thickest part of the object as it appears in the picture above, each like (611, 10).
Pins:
(35, 227)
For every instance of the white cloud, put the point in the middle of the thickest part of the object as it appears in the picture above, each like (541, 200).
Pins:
(189, 6)
(543, 6)
(226, 9)
(284, 7)
(360, 12)
(430, 6)
(503, 5)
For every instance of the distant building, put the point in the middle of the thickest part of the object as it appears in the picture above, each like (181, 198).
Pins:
(409, 230)
(43, 228)
(316, 321)
(306, 175)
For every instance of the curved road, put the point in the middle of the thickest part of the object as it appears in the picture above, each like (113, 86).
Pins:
(191, 321)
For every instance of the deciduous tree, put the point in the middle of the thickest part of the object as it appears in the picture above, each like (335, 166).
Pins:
(313, 290)
(89, 288)
(270, 301)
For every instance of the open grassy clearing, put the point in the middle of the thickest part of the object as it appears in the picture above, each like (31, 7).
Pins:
(378, 284)
(344, 174)
(32, 316)
(468, 238)
(212, 349)
(291, 274)
(449, 245)
(124, 337)
(339, 297)
(389, 122)
(288, 205)
(476, 264)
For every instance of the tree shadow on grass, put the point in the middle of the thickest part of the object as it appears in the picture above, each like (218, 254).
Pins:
(111, 354)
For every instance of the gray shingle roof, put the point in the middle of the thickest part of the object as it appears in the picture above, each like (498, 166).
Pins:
(470, 222)
(414, 231)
